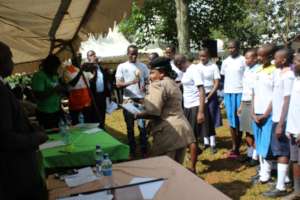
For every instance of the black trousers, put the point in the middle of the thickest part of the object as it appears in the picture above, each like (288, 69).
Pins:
(87, 113)
(100, 100)
(129, 120)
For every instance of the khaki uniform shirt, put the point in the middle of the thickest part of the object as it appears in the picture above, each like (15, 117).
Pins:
(170, 130)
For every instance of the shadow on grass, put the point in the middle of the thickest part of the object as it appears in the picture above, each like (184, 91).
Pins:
(221, 164)
(234, 189)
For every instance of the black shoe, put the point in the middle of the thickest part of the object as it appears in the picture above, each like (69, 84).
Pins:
(288, 186)
(213, 150)
(258, 181)
(256, 176)
(253, 163)
(245, 159)
(274, 193)
(206, 146)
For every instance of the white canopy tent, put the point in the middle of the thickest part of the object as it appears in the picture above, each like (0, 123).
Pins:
(34, 28)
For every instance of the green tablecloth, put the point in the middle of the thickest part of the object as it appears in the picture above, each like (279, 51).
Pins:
(83, 149)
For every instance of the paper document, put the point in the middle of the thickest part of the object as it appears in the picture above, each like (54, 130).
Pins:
(130, 107)
(84, 175)
(94, 196)
(87, 125)
(111, 106)
(51, 144)
(148, 190)
(93, 130)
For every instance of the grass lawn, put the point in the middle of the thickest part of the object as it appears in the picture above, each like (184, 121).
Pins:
(229, 176)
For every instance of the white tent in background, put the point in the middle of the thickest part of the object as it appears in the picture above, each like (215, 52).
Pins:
(113, 44)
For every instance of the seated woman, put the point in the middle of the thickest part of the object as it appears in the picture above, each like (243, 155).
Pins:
(170, 129)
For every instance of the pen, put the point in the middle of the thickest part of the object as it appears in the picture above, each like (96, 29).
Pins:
(121, 186)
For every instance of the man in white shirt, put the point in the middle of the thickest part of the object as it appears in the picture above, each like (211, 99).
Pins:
(293, 129)
(193, 101)
(132, 76)
(170, 52)
(283, 79)
(233, 68)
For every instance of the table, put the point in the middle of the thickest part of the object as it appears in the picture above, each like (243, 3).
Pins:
(83, 149)
(180, 184)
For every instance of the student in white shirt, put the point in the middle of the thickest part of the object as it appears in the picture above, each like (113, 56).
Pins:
(132, 76)
(211, 75)
(170, 52)
(233, 68)
(193, 100)
(282, 82)
(293, 129)
(262, 109)
(244, 111)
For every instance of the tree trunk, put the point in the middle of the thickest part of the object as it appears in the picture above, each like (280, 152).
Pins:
(182, 25)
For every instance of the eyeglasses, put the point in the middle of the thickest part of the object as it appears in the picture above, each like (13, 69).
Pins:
(91, 55)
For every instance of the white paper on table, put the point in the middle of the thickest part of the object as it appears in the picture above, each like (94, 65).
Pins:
(93, 130)
(84, 175)
(130, 107)
(148, 190)
(111, 106)
(94, 196)
(87, 125)
(51, 144)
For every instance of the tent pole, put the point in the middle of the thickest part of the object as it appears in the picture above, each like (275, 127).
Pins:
(59, 16)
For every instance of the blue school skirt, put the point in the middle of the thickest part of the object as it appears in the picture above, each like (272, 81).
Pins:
(232, 103)
(262, 135)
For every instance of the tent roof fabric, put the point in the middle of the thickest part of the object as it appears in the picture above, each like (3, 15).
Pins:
(28, 26)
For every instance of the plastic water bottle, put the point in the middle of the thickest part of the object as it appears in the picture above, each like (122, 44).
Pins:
(63, 128)
(81, 119)
(99, 160)
(107, 170)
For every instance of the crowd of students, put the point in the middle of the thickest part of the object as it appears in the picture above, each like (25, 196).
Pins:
(181, 105)
(260, 98)
(261, 91)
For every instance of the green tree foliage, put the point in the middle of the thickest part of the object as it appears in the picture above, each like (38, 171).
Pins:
(156, 19)
(250, 21)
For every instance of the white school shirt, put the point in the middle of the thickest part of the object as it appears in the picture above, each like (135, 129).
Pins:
(248, 81)
(210, 73)
(177, 70)
(127, 72)
(190, 81)
(283, 83)
(293, 124)
(263, 89)
(233, 70)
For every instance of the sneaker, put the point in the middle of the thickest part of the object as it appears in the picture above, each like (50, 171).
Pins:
(274, 193)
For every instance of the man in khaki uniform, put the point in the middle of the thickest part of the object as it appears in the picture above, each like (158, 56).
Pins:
(170, 129)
